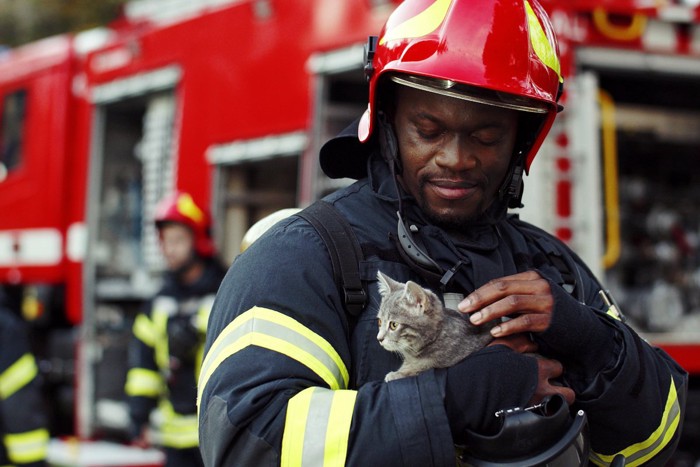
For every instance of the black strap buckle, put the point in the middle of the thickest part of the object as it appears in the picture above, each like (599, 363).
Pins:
(355, 300)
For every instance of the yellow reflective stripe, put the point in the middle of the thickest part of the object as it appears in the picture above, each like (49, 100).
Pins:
(420, 25)
(17, 375)
(176, 430)
(339, 427)
(160, 329)
(639, 453)
(31, 446)
(180, 431)
(202, 317)
(201, 323)
(275, 331)
(317, 428)
(143, 382)
(544, 49)
(295, 428)
(614, 312)
(198, 362)
(143, 330)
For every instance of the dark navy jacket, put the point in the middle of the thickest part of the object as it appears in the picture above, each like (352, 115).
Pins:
(251, 386)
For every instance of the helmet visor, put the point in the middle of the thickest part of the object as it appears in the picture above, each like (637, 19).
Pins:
(457, 90)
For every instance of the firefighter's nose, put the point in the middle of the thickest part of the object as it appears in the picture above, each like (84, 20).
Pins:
(457, 155)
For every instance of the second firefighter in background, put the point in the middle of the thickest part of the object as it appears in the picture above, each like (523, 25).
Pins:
(166, 352)
(24, 436)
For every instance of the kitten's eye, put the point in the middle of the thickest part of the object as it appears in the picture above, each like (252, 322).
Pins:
(393, 325)
(379, 322)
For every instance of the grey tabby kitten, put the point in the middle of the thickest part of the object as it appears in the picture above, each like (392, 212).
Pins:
(414, 323)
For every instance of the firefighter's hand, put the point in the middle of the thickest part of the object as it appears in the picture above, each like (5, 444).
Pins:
(576, 333)
(521, 343)
(143, 439)
(492, 379)
(548, 371)
(526, 298)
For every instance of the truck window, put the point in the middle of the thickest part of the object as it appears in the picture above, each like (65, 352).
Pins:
(340, 97)
(250, 189)
(12, 131)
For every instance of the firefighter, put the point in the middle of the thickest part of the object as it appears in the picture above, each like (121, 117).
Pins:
(23, 425)
(166, 352)
(461, 95)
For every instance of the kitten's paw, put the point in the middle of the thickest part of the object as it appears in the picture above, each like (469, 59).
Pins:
(392, 375)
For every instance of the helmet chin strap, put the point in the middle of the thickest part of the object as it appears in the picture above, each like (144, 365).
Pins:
(414, 255)
(512, 188)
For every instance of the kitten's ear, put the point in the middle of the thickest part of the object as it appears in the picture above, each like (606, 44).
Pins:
(416, 294)
(386, 284)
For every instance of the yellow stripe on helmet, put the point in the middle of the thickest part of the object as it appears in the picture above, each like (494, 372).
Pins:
(420, 25)
(187, 207)
(543, 48)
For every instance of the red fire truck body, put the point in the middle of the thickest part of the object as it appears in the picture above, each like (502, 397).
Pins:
(623, 154)
(230, 100)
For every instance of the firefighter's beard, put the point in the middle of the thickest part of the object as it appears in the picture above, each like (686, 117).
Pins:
(455, 219)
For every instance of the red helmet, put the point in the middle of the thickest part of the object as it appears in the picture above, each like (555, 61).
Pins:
(500, 53)
(180, 207)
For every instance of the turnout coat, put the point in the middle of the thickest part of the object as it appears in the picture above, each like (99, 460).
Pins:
(289, 376)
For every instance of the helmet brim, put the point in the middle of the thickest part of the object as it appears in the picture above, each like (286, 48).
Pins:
(445, 87)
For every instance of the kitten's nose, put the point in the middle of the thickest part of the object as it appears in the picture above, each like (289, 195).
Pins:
(380, 337)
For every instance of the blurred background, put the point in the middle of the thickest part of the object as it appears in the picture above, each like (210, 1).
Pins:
(23, 21)
(107, 106)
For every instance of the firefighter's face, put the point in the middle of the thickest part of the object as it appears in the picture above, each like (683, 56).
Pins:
(177, 244)
(454, 153)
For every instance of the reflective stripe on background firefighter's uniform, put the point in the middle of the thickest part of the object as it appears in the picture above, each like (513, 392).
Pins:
(22, 418)
(156, 376)
(274, 390)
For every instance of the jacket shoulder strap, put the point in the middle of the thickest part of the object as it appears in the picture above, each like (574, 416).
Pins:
(344, 250)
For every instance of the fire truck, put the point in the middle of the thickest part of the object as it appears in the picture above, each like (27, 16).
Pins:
(230, 100)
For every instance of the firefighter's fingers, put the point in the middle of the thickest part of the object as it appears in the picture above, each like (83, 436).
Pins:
(549, 370)
(523, 323)
(524, 283)
(519, 305)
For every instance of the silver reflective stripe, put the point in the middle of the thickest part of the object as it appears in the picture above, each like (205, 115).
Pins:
(316, 427)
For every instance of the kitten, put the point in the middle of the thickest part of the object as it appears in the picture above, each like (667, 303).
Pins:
(414, 323)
